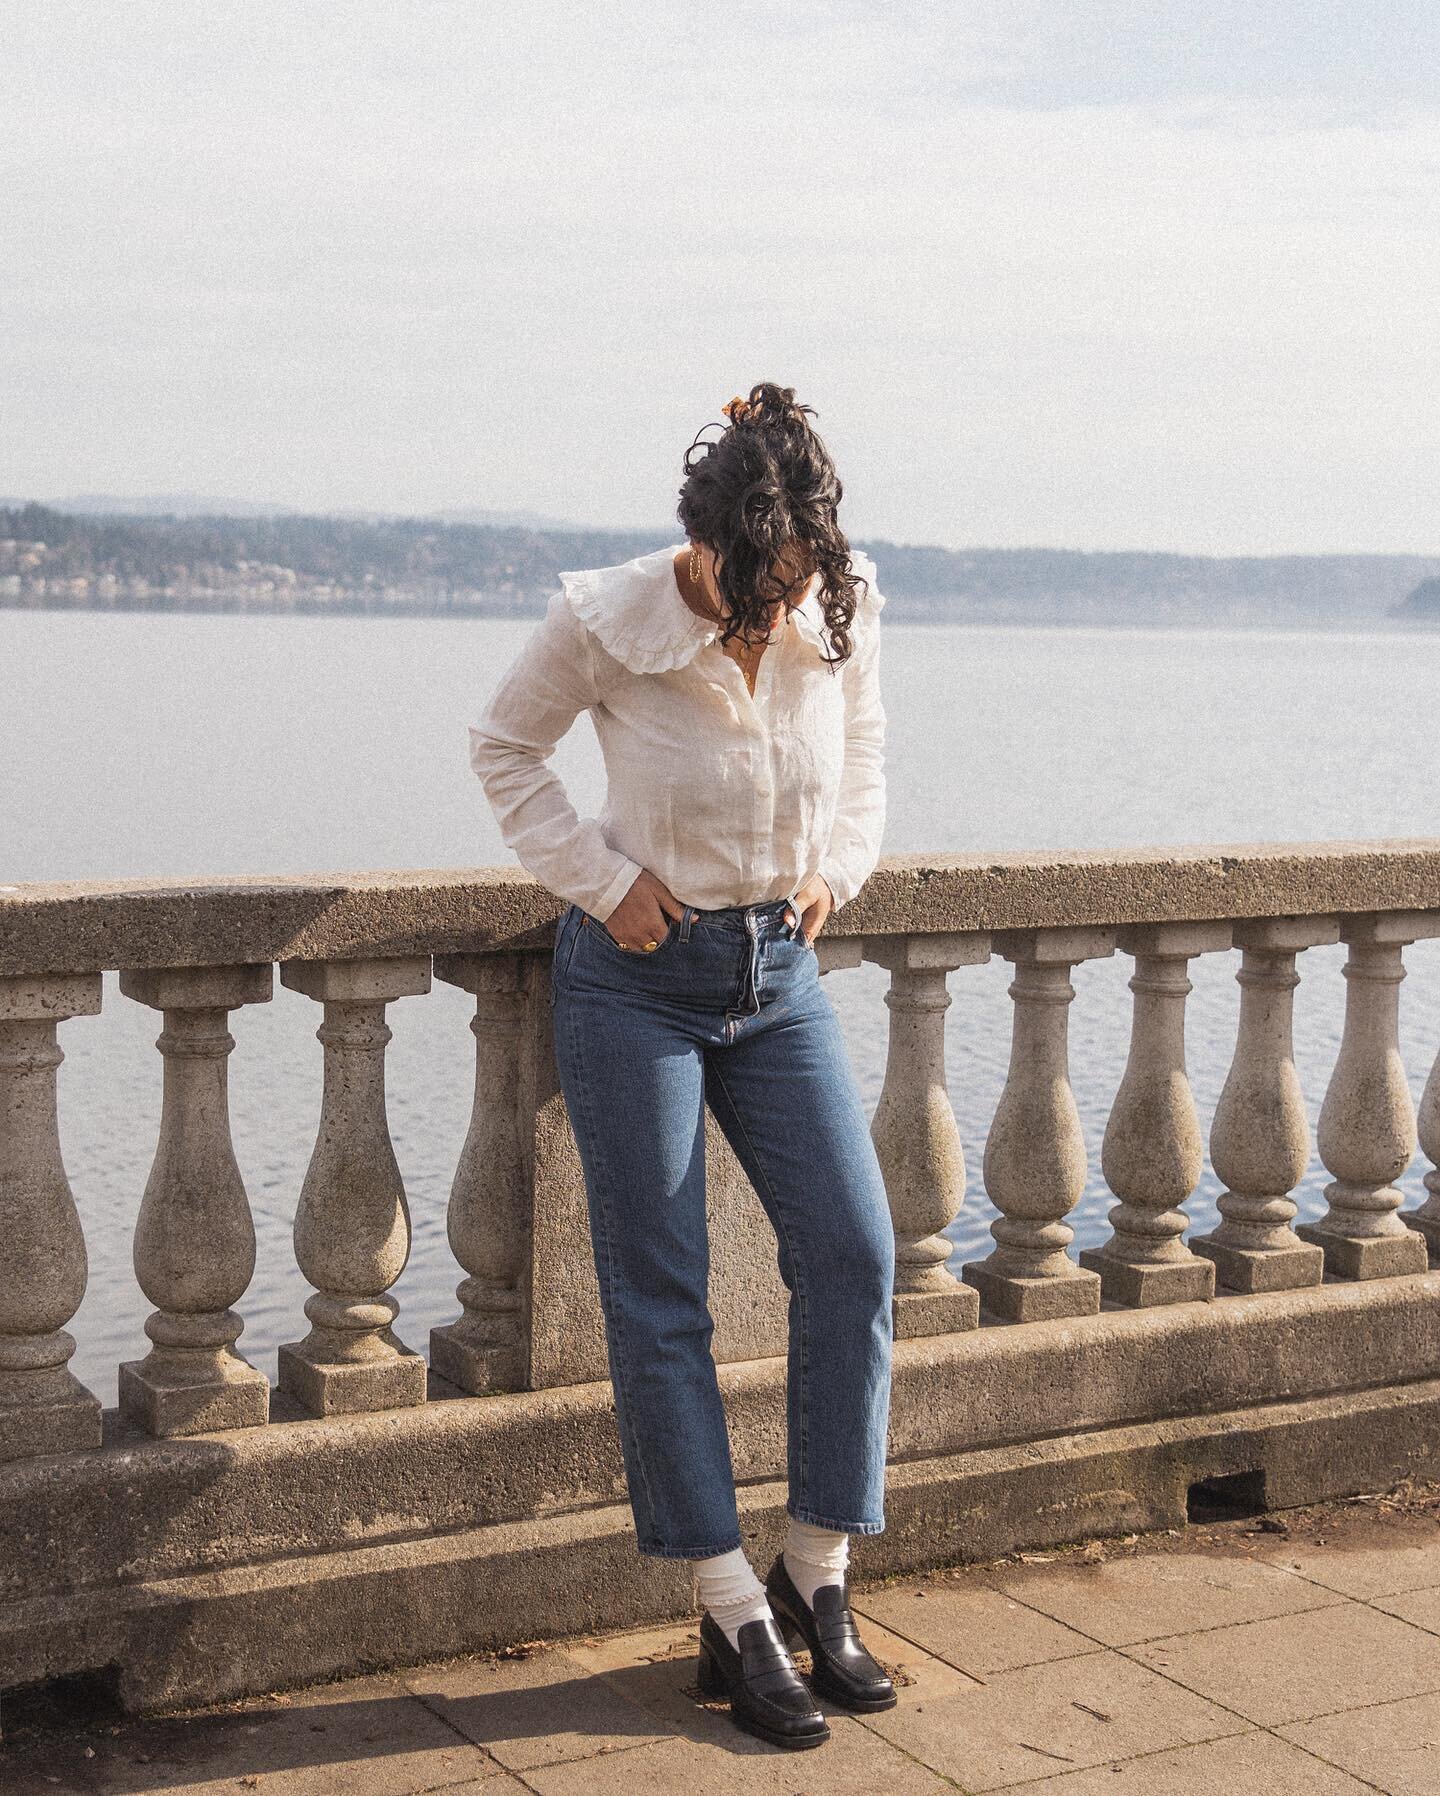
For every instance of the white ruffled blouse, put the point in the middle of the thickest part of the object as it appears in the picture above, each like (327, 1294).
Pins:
(729, 799)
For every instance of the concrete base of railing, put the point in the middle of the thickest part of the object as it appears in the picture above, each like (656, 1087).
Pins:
(57, 1410)
(229, 1564)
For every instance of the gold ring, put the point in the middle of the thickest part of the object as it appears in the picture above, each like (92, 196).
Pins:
(650, 945)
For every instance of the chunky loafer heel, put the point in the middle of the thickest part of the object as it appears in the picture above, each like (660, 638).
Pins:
(711, 1679)
(843, 1671)
(767, 1695)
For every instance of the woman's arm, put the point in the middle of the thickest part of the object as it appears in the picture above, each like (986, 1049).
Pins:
(860, 809)
(547, 686)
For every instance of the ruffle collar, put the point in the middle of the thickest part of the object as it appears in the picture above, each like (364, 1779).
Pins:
(636, 613)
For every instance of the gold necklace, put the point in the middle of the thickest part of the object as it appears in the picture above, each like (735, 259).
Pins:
(746, 656)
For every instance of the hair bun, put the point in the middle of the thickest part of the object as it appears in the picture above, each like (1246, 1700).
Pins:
(767, 405)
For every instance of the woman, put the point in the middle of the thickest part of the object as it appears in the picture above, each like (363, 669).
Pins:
(746, 802)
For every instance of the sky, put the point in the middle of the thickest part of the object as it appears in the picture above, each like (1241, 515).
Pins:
(1101, 276)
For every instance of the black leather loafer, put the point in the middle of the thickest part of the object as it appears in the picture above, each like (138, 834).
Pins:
(767, 1695)
(843, 1670)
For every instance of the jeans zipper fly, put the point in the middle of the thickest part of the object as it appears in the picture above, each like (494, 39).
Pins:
(732, 1020)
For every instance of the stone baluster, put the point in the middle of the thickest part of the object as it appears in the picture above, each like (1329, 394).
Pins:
(1260, 1138)
(43, 1406)
(489, 1221)
(352, 1227)
(1367, 1121)
(194, 1246)
(1152, 1155)
(1426, 1220)
(1035, 1152)
(917, 1141)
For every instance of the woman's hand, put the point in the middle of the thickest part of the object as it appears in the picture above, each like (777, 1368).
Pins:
(816, 902)
(646, 910)
(644, 913)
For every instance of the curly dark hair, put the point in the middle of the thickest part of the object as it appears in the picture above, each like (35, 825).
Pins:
(766, 483)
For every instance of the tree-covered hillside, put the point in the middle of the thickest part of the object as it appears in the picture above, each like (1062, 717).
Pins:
(1422, 605)
(56, 559)
(289, 563)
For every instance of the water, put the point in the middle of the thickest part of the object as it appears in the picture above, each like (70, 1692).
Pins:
(144, 746)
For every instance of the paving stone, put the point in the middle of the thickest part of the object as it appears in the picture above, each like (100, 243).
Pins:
(918, 1674)
(978, 1629)
(1244, 1765)
(1298, 1666)
(1028, 1724)
(368, 1736)
(1122, 1601)
(539, 1710)
(1364, 1572)
(498, 1784)
(1421, 1608)
(853, 1762)
(609, 1652)
(1394, 1746)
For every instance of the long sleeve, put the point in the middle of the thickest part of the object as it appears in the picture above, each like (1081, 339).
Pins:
(859, 826)
(549, 683)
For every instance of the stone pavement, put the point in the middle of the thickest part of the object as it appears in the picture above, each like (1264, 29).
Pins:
(1294, 1656)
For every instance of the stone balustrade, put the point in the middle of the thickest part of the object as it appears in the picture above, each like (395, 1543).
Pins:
(1301, 1360)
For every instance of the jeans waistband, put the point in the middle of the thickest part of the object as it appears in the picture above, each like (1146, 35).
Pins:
(734, 915)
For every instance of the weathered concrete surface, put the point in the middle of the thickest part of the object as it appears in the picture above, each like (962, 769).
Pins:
(355, 1603)
(150, 1509)
(86, 925)
(231, 1562)
(246, 1629)
(1299, 1662)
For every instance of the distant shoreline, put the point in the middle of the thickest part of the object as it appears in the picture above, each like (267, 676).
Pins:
(897, 613)
(415, 567)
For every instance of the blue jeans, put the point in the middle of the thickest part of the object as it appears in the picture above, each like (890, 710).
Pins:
(728, 1011)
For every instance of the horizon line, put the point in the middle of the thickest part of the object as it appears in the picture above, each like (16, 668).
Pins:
(127, 507)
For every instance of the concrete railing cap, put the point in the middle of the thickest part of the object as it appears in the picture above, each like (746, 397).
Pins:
(91, 925)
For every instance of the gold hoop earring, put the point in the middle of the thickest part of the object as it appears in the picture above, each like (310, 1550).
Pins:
(694, 565)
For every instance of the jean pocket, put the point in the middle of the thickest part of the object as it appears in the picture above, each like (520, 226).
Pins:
(598, 929)
(567, 933)
(794, 933)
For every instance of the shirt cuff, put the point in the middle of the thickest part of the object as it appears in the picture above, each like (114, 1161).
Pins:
(839, 885)
(617, 889)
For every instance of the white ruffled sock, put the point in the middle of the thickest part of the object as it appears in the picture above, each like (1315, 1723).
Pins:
(815, 1556)
(731, 1592)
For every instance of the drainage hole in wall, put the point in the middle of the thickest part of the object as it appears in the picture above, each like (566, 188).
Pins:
(1226, 1499)
(81, 1699)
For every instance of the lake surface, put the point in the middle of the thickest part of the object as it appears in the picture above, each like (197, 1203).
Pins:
(147, 746)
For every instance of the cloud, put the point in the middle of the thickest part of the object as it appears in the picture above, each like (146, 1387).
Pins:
(1050, 275)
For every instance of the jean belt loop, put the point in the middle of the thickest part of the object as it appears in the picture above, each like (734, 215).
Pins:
(685, 918)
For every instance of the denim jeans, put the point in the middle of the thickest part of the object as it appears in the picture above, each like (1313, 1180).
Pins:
(728, 1011)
